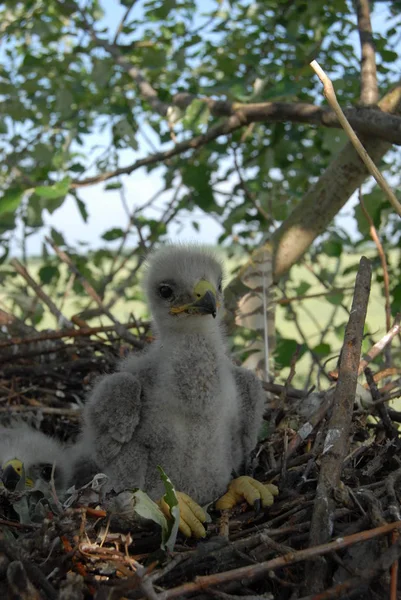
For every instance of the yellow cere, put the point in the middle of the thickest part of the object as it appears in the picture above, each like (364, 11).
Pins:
(199, 291)
(16, 464)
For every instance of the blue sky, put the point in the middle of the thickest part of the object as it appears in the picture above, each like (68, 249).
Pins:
(105, 208)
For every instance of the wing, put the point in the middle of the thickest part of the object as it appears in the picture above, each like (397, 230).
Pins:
(252, 407)
(111, 415)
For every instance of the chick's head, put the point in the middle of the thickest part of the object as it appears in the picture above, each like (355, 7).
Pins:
(184, 288)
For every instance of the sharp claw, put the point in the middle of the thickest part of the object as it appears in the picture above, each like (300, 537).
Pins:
(257, 506)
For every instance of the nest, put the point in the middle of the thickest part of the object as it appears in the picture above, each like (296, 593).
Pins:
(331, 533)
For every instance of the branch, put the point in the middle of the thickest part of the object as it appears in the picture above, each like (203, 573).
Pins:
(62, 320)
(120, 329)
(123, 20)
(369, 89)
(260, 570)
(148, 93)
(363, 119)
(214, 132)
(370, 165)
(337, 439)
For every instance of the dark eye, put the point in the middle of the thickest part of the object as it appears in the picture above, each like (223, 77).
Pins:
(165, 291)
(220, 286)
(46, 472)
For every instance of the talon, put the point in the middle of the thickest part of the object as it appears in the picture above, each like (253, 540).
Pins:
(257, 505)
(192, 516)
(246, 488)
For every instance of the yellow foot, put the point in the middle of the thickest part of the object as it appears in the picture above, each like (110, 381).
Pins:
(249, 489)
(191, 516)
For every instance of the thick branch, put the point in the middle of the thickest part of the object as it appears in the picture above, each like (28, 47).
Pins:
(376, 123)
(369, 89)
(317, 208)
(337, 439)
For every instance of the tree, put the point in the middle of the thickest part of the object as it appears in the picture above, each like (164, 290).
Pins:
(235, 114)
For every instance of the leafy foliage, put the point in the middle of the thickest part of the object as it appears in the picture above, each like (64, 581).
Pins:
(84, 96)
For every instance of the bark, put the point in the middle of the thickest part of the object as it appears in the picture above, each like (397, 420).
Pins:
(318, 207)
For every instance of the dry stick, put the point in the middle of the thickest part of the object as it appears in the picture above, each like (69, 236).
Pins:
(369, 89)
(381, 344)
(120, 329)
(253, 572)
(329, 93)
(380, 251)
(394, 570)
(337, 439)
(377, 348)
(47, 410)
(63, 333)
(304, 432)
(62, 320)
(391, 431)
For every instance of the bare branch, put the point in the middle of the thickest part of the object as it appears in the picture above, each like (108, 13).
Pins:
(61, 319)
(370, 165)
(337, 438)
(369, 89)
(121, 330)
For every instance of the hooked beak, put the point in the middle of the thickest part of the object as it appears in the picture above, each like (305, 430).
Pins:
(205, 303)
(12, 473)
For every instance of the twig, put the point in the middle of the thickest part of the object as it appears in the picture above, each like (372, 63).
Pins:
(380, 251)
(381, 344)
(394, 570)
(304, 432)
(369, 89)
(63, 333)
(254, 572)
(248, 194)
(123, 20)
(391, 431)
(47, 410)
(337, 439)
(370, 165)
(126, 335)
(377, 348)
(62, 320)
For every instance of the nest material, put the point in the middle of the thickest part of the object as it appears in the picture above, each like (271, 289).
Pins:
(340, 540)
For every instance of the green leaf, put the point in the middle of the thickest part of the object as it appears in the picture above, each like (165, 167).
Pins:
(11, 199)
(333, 248)
(336, 298)
(372, 203)
(303, 287)
(82, 209)
(148, 509)
(114, 185)
(57, 237)
(113, 234)
(389, 56)
(322, 350)
(48, 272)
(171, 500)
(285, 350)
(54, 191)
